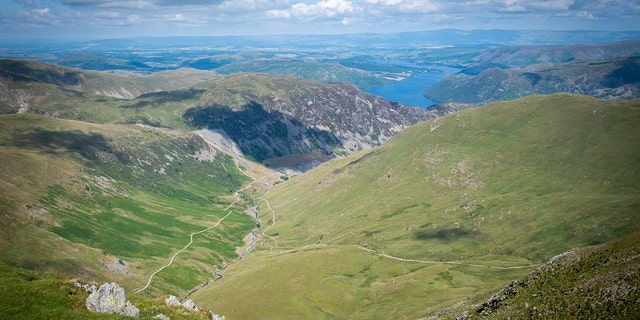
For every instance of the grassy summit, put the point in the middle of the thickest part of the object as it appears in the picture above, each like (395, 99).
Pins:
(447, 209)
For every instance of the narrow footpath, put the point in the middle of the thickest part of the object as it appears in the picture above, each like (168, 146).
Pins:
(253, 236)
(228, 208)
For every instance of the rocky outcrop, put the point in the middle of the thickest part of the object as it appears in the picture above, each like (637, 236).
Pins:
(172, 301)
(287, 122)
(110, 298)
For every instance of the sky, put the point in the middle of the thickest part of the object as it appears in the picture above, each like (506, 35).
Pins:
(100, 19)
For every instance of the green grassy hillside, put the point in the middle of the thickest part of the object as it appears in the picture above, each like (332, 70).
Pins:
(115, 202)
(589, 283)
(292, 120)
(308, 69)
(608, 79)
(446, 210)
(99, 83)
(26, 294)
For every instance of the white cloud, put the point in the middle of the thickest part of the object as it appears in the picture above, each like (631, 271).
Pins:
(41, 12)
(299, 16)
(107, 14)
(132, 19)
(323, 8)
(178, 17)
(407, 6)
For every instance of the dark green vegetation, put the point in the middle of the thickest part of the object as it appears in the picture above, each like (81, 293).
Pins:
(79, 199)
(26, 294)
(97, 62)
(607, 71)
(446, 210)
(589, 283)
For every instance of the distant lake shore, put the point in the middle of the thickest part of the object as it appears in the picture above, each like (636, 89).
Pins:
(409, 91)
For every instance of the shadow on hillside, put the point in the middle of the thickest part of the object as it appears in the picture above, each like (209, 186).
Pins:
(156, 98)
(442, 234)
(263, 134)
(87, 145)
(628, 71)
(24, 70)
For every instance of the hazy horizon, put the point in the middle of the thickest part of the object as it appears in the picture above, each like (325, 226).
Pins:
(116, 19)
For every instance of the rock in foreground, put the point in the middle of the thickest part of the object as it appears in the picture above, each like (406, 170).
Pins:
(110, 298)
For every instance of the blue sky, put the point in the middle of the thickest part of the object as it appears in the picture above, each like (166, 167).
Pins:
(96, 19)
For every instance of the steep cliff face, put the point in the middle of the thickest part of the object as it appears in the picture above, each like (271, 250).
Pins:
(281, 118)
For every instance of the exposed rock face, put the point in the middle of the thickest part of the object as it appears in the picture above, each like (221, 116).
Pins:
(172, 301)
(110, 298)
(287, 122)
(190, 305)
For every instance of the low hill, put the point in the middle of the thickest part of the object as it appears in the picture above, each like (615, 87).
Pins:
(98, 83)
(217, 61)
(308, 69)
(610, 79)
(522, 56)
(446, 210)
(98, 62)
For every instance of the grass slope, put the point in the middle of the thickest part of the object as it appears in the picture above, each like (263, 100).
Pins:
(446, 210)
(590, 283)
(109, 202)
(26, 294)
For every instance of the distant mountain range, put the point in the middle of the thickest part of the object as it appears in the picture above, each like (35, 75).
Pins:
(606, 71)
(111, 85)
(308, 69)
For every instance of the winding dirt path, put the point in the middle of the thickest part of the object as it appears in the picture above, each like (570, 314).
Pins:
(180, 251)
(237, 196)
(253, 236)
(389, 256)
(273, 221)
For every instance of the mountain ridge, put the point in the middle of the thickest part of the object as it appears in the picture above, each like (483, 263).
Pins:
(606, 71)
(293, 121)
(110, 85)
(611, 79)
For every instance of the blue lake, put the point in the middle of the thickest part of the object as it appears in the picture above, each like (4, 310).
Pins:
(409, 91)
